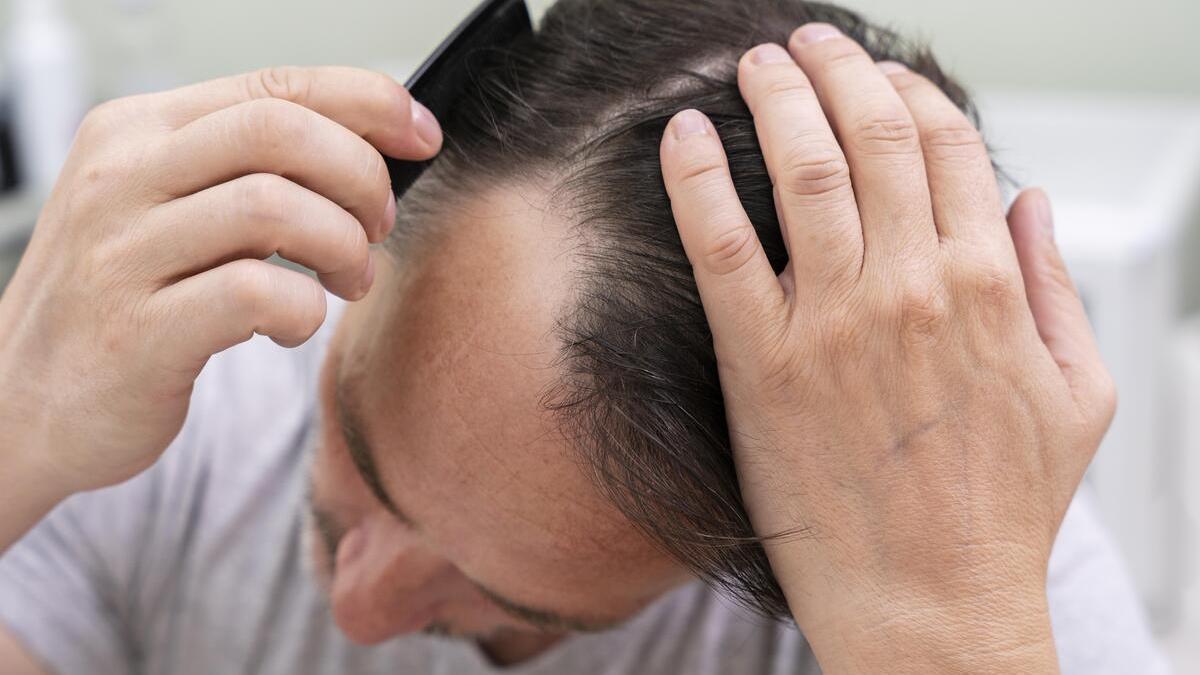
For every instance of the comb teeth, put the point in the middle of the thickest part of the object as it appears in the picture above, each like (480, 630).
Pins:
(439, 82)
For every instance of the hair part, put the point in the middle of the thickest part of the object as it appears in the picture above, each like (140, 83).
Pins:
(582, 105)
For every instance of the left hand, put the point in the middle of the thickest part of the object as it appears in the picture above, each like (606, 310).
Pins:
(914, 401)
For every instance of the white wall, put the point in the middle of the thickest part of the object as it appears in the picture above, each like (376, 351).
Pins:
(1107, 45)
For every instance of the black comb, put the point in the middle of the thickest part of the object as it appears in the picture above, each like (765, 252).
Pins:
(439, 82)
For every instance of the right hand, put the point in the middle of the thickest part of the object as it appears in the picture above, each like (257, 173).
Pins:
(148, 257)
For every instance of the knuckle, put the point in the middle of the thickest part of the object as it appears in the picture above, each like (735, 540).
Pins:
(809, 171)
(289, 83)
(274, 124)
(390, 96)
(376, 174)
(908, 81)
(251, 288)
(886, 132)
(766, 348)
(701, 170)
(731, 251)
(954, 142)
(316, 306)
(786, 88)
(842, 337)
(102, 176)
(116, 264)
(922, 311)
(99, 121)
(353, 246)
(101, 258)
(104, 110)
(310, 311)
(109, 123)
(782, 369)
(995, 286)
(264, 197)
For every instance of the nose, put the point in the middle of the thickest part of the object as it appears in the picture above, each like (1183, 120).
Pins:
(385, 583)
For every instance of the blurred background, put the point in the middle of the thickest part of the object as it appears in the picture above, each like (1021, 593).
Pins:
(1098, 102)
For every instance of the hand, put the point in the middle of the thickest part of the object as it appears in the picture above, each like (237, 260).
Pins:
(148, 257)
(914, 401)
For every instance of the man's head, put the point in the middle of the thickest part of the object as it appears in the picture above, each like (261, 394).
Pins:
(523, 423)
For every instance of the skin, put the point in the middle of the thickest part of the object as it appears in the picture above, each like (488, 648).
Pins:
(928, 513)
(442, 370)
(957, 378)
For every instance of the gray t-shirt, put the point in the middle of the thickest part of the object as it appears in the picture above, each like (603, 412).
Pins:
(197, 567)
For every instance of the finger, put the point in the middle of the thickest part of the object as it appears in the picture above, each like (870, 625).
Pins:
(222, 307)
(738, 287)
(274, 136)
(812, 180)
(370, 104)
(881, 144)
(256, 217)
(1061, 319)
(962, 181)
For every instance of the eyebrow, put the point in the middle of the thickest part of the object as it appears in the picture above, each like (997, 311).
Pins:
(545, 619)
(360, 452)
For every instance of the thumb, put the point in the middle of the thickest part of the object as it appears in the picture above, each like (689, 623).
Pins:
(1061, 319)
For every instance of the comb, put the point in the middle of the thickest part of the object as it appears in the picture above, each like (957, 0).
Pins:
(440, 81)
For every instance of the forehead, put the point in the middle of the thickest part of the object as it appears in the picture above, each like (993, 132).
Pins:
(455, 362)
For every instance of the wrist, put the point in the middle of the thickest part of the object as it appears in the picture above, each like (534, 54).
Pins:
(29, 485)
(28, 492)
(999, 628)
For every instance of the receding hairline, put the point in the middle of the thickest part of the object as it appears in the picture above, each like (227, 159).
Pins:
(645, 393)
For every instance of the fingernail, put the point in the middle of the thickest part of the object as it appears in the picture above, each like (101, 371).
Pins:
(769, 53)
(817, 32)
(369, 275)
(351, 547)
(690, 123)
(891, 67)
(427, 127)
(389, 215)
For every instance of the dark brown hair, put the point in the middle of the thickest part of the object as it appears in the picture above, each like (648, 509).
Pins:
(581, 105)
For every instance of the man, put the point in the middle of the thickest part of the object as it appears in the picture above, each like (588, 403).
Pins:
(444, 499)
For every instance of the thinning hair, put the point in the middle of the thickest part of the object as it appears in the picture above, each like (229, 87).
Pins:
(581, 105)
